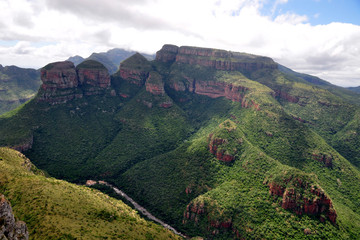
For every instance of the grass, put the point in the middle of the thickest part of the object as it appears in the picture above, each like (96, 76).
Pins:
(55, 209)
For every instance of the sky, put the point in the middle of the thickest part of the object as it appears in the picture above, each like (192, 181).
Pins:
(318, 37)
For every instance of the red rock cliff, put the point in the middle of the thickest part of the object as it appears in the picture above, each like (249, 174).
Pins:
(214, 58)
(93, 76)
(135, 69)
(303, 198)
(61, 82)
(154, 84)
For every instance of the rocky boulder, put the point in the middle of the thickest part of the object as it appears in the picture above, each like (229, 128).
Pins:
(9, 228)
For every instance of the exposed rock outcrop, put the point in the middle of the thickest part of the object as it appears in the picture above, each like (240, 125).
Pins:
(9, 228)
(303, 198)
(62, 82)
(135, 69)
(214, 148)
(214, 58)
(93, 77)
(26, 145)
(324, 158)
(286, 96)
(220, 89)
(220, 145)
(154, 84)
(197, 211)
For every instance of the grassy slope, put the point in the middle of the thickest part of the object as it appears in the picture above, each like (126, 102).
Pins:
(164, 179)
(55, 209)
(324, 111)
(17, 85)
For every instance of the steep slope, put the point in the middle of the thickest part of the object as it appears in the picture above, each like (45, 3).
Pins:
(220, 144)
(17, 85)
(55, 209)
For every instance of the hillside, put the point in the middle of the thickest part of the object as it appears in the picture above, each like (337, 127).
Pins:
(355, 89)
(55, 209)
(17, 85)
(217, 143)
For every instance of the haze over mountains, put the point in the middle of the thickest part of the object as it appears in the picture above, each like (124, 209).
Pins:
(219, 144)
(111, 59)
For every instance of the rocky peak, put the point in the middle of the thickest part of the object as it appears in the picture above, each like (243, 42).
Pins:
(167, 53)
(9, 228)
(59, 75)
(93, 76)
(135, 69)
(214, 58)
(61, 81)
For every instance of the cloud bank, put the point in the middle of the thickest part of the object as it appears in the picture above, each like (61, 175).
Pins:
(34, 33)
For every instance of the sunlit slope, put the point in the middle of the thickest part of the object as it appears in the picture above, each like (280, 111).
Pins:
(55, 209)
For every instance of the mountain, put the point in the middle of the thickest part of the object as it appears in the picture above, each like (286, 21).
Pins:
(110, 59)
(355, 89)
(219, 144)
(55, 209)
(17, 85)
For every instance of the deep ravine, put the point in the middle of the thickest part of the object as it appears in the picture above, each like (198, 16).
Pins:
(137, 206)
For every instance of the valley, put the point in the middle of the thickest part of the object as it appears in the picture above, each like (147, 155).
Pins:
(217, 144)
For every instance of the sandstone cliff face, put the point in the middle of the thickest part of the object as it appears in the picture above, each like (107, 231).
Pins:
(93, 77)
(167, 53)
(214, 58)
(62, 82)
(9, 228)
(135, 69)
(304, 199)
(154, 84)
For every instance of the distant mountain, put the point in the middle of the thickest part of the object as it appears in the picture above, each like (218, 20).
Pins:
(17, 85)
(111, 59)
(355, 89)
(76, 59)
(221, 144)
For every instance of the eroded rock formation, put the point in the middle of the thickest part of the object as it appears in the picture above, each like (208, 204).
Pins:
(154, 84)
(62, 82)
(9, 228)
(214, 58)
(302, 198)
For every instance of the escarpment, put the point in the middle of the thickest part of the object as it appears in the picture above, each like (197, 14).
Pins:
(11, 229)
(214, 58)
(62, 82)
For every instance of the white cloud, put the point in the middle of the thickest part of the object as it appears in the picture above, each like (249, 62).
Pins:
(52, 30)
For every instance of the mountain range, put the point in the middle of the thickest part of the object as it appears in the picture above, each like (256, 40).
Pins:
(111, 59)
(219, 144)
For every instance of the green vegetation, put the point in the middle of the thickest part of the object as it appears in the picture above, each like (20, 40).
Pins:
(285, 126)
(55, 209)
(17, 85)
(91, 64)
